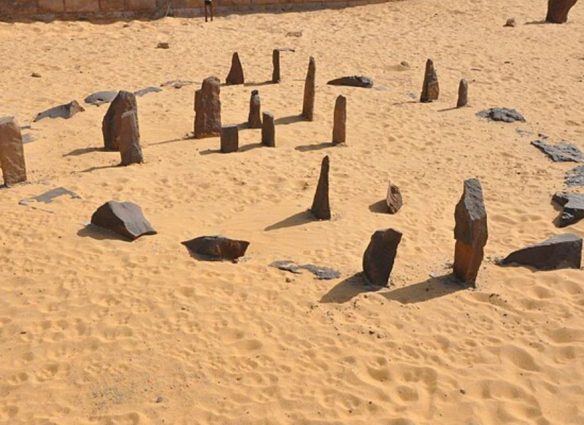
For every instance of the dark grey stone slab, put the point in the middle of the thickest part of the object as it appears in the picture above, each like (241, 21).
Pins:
(501, 114)
(353, 81)
(561, 152)
(216, 248)
(562, 251)
(65, 111)
(320, 272)
(123, 218)
(575, 177)
(572, 207)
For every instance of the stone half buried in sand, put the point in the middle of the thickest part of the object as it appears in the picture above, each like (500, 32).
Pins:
(561, 152)
(235, 75)
(558, 252)
(380, 255)
(320, 272)
(11, 152)
(501, 114)
(123, 218)
(320, 206)
(216, 248)
(430, 87)
(575, 177)
(65, 111)
(558, 10)
(572, 207)
(101, 97)
(353, 81)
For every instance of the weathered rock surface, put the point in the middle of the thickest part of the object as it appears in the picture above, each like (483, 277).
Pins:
(340, 121)
(501, 114)
(572, 207)
(208, 109)
(575, 177)
(268, 130)
(235, 75)
(65, 111)
(276, 77)
(123, 218)
(254, 119)
(217, 248)
(380, 255)
(129, 138)
(462, 94)
(393, 199)
(320, 272)
(562, 251)
(309, 91)
(558, 10)
(229, 139)
(320, 206)
(353, 81)
(112, 121)
(430, 87)
(560, 152)
(470, 232)
(11, 152)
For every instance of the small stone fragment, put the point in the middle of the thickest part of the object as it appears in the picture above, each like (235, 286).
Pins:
(340, 121)
(572, 207)
(65, 111)
(268, 130)
(320, 206)
(561, 152)
(235, 75)
(276, 66)
(462, 94)
(309, 91)
(112, 121)
(501, 114)
(217, 248)
(430, 87)
(208, 109)
(558, 10)
(11, 152)
(510, 23)
(575, 177)
(229, 139)
(123, 218)
(129, 138)
(380, 255)
(254, 119)
(394, 199)
(35, 75)
(163, 45)
(353, 81)
(558, 252)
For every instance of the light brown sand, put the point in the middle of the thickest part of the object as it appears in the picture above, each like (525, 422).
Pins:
(102, 331)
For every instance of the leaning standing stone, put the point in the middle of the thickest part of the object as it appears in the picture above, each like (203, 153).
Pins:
(235, 75)
(268, 130)
(129, 139)
(229, 139)
(309, 91)
(276, 66)
(254, 119)
(462, 94)
(380, 255)
(430, 88)
(340, 121)
(320, 206)
(558, 10)
(470, 232)
(11, 152)
(112, 121)
(208, 109)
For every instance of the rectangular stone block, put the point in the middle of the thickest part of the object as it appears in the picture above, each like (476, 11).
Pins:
(81, 5)
(112, 5)
(140, 5)
(11, 152)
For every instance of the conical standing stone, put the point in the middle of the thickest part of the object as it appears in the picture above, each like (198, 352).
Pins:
(110, 126)
(11, 152)
(208, 109)
(254, 119)
(276, 65)
(558, 10)
(229, 139)
(268, 130)
(235, 75)
(123, 218)
(470, 232)
(380, 255)
(320, 206)
(309, 91)
(129, 139)
(462, 94)
(430, 88)
(340, 121)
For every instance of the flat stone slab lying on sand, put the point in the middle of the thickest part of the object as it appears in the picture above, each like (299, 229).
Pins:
(124, 218)
(147, 90)
(50, 196)
(216, 248)
(65, 111)
(561, 152)
(103, 97)
(575, 177)
(501, 114)
(353, 81)
(572, 207)
(320, 272)
(177, 84)
(558, 252)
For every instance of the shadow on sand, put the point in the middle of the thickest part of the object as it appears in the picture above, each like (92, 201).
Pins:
(297, 219)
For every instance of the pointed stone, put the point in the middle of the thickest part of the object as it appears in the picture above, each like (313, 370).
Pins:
(217, 248)
(380, 255)
(309, 91)
(462, 94)
(229, 139)
(124, 218)
(430, 88)
(470, 232)
(235, 75)
(320, 206)
(276, 66)
(208, 109)
(268, 130)
(129, 139)
(558, 252)
(11, 152)
(394, 199)
(112, 121)
(572, 207)
(558, 10)
(340, 121)
(254, 119)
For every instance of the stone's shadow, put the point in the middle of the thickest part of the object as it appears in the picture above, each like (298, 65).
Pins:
(297, 219)
(540, 22)
(317, 147)
(405, 102)
(83, 151)
(454, 108)
(255, 84)
(103, 167)
(432, 288)
(165, 142)
(99, 233)
(348, 289)
(291, 119)
(209, 151)
(379, 207)
(249, 147)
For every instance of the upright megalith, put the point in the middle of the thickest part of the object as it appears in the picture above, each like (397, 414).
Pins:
(229, 138)
(268, 130)
(462, 94)
(557, 12)
(430, 88)
(309, 91)
(11, 152)
(129, 139)
(208, 109)
(235, 75)
(254, 119)
(380, 255)
(320, 206)
(470, 232)
(340, 121)
(112, 121)
(276, 78)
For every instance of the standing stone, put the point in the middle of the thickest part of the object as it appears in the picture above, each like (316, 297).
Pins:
(254, 119)
(268, 130)
(208, 109)
(235, 75)
(276, 66)
(393, 199)
(462, 94)
(380, 255)
(112, 121)
(320, 206)
(11, 152)
(558, 10)
(340, 121)
(470, 232)
(430, 88)
(309, 91)
(129, 139)
(229, 139)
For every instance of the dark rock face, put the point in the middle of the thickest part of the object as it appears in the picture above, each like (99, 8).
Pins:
(561, 152)
(229, 139)
(501, 114)
(101, 97)
(470, 232)
(208, 109)
(129, 138)
(62, 111)
(276, 78)
(309, 91)
(340, 121)
(235, 75)
(394, 199)
(320, 206)
(380, 255)
(11, 152)
(462, 94)
(123, 218)
(558, 252)
(558, 10)
(575, 177)
(572, 207)
(320, 272)
(353, 81)
(254, 119)
(217, 248)
(268, 130)
(111, 126)
(430, 87)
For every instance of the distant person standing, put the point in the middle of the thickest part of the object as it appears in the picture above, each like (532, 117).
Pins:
(208, 9)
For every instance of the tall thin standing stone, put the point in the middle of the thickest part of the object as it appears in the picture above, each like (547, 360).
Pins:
(268, 130)
(340, 120)
(208, 109)
(430, 88)
(320, 206)
(462, 94)
(11, 152)
(470, 232)
(229, 139)
(129, 139)
(235, 75)
(276, 66)
(309, 91)
(110, 126)
(254, 119)
(558, 10)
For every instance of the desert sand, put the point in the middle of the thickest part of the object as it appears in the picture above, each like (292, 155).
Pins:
(98, 330)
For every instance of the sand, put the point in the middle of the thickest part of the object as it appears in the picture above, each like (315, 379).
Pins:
(97, 330)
